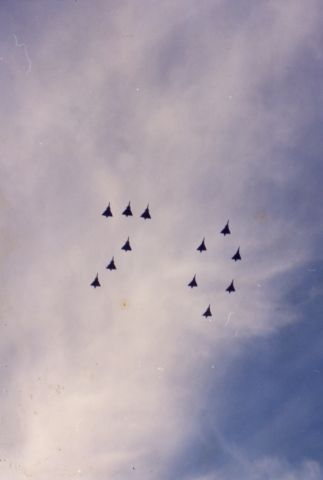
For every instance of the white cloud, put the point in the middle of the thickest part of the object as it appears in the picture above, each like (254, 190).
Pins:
(145, 102)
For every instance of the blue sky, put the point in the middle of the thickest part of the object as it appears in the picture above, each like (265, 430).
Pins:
(208, 111)
(270, 394)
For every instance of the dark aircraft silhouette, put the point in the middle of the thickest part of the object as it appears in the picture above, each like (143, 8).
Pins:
(237, 255)
(226, 229)
(96, 282)
(192, 282)
(207, 312)
(107, 212)
(111, 265)
(127, 212)
(126, 247)
(146, 214)
(201, 248)
(230, 288)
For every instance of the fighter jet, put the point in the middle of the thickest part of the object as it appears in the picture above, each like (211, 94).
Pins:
(96, 282)
(237, 255)
(207, 312)
(127, 212)
(146, 214)
(230, 288)
(107, 212)
(226, 230)
(201, 247)
(111, 265)
(192, 282)
(126, 247)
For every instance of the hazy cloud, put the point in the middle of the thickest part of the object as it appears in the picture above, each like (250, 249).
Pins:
(199, 109)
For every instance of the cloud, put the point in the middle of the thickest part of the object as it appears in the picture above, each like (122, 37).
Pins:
(194, 108)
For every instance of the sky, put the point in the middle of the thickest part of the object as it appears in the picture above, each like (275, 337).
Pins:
(208, 111)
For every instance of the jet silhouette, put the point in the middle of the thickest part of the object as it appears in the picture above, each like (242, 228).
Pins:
(230, 288)
(107, 212)
(207, 312)
(127, 212)
(237, 255)
(226, 230)
(192, 282)
(96, 282)
(126, 247)
(146, 214)
(111, 265)
(201, 247)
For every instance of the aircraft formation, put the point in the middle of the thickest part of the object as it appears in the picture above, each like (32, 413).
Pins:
(202, 248)
(126, 247)
(127, 212)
